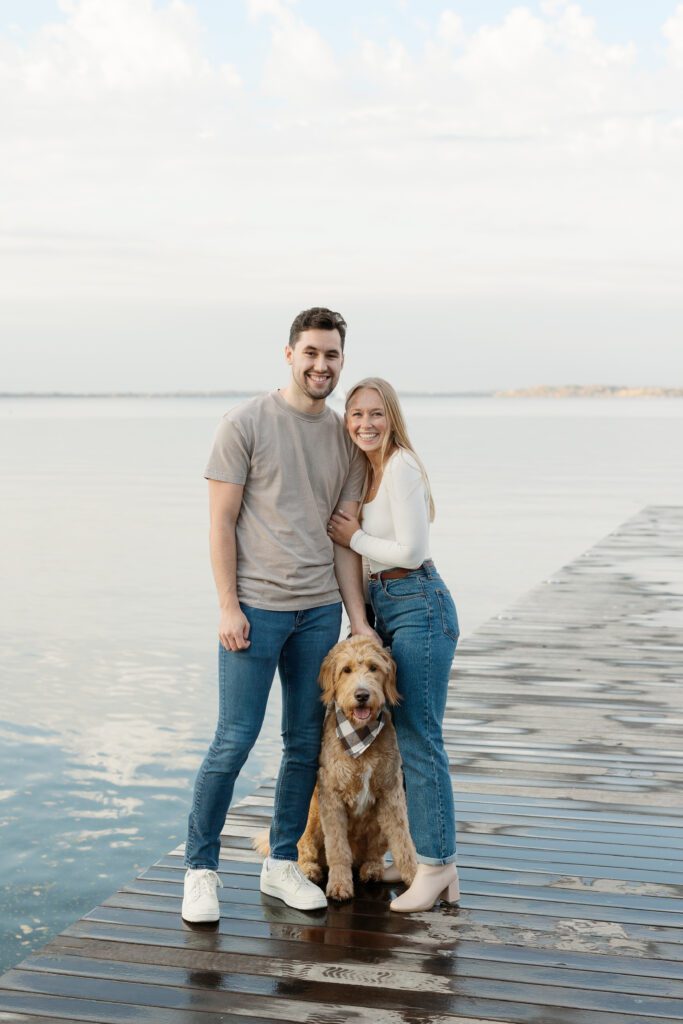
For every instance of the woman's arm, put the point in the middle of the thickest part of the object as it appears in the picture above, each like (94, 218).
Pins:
(348, 570)
(407, 500)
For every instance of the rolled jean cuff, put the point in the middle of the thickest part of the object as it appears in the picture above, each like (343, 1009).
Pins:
(436, 861)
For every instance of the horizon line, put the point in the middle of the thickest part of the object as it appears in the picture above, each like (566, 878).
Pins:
(536, 391)
(242, 393)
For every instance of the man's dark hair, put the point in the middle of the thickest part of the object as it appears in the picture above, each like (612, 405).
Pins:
(317, 317)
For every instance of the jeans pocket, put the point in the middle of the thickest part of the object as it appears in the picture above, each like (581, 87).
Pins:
(449, 616)
(405, 588)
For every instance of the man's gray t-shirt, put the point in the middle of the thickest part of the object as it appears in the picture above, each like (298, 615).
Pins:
(295, 468)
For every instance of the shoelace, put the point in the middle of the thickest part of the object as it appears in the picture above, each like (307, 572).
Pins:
(297, 875)
(206, 884)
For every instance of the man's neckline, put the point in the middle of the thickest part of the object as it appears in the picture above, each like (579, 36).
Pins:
(312, 417)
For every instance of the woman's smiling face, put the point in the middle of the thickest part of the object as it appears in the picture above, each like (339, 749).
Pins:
(366, 419)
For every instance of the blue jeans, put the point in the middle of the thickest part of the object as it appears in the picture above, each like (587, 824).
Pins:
(416, 617)
(295, 643)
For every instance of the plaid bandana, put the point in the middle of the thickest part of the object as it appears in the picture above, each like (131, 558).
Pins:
(356, 741)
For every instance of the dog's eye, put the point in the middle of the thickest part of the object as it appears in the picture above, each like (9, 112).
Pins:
(372, 668)
(347, 668)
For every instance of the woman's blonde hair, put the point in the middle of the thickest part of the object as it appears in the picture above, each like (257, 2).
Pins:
(397, 433)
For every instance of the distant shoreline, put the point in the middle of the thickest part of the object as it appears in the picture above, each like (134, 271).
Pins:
(544, 391)
(213, 394)
(591, 391)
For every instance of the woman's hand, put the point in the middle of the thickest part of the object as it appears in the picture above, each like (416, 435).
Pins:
(342, 527)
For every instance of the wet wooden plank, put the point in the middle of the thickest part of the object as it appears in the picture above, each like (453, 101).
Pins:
(120, 1011)
(429, 930)
(571, 936)
(485, 963)
(213, 991)
(169, 902)
(384, 994)
(244, 889)
(15, 1017)
(563, 728)
(417, 967)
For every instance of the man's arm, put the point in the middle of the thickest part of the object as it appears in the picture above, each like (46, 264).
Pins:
(348, 569)
(225, 501)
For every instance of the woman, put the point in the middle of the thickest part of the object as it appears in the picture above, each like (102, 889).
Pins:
(415, 616)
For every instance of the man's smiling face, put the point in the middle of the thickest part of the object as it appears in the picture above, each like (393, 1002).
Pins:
(316, 361)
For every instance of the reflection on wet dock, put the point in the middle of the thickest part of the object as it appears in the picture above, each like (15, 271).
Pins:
(564, 731)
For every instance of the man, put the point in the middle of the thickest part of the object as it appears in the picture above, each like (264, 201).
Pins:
(280, 465)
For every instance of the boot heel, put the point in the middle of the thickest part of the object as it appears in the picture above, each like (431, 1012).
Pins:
(451, 894)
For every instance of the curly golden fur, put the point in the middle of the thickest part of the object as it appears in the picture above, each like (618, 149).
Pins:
(358, 810)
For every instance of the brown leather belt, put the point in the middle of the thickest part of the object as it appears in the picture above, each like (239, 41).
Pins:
(395, 574)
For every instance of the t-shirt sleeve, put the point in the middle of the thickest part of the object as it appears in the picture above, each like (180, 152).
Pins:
(230, 456)
(410, 517)
(353, 485)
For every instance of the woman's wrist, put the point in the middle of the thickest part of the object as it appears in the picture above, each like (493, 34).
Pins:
(355, 538)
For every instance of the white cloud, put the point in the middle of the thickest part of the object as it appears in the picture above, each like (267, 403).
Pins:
(673, 33)
(529, 156)
(300, 59)
(272, 8)
(450, 27)
(551, 7)
(520, 39)
(128, 46)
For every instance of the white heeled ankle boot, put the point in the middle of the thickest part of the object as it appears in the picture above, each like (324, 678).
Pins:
(432, 881)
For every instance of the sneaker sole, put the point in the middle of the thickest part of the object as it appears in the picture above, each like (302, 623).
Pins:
(200, 919)
(277, 893)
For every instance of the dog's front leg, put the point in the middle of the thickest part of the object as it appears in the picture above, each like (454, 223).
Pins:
(311, 846)
(392, 817)
(375, 847)
(335, 824)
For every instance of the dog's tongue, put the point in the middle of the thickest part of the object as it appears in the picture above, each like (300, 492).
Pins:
(361, 713)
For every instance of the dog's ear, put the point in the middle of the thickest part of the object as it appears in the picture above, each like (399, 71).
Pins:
(390, 692)
(328, 673)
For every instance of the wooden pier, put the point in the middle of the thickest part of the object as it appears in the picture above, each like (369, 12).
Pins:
(564, 730)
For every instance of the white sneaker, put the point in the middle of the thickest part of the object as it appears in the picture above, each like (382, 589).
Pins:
(287, 882)
(200, 900)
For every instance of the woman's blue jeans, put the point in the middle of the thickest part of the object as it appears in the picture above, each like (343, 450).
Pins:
(295, 643)
(416, 617)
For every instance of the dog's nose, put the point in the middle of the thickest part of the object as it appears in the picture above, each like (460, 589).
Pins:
(362, 696)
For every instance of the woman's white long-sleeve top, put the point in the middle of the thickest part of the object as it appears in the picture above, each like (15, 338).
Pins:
(395, 525)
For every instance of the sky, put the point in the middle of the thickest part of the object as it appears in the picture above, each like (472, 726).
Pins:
(489, 192)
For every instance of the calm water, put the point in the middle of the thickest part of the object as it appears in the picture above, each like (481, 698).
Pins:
(107, 610)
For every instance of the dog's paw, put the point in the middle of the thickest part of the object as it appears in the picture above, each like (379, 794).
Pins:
(371, 871)
(312, 870)
(339, 886)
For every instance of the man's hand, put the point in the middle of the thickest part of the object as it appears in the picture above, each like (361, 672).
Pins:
(364, 628)
(342, 527)
(233, 629)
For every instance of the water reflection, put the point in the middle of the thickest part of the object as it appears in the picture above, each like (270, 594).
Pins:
(105, 790)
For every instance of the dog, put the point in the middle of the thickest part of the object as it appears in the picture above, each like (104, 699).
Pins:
(358, 809)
